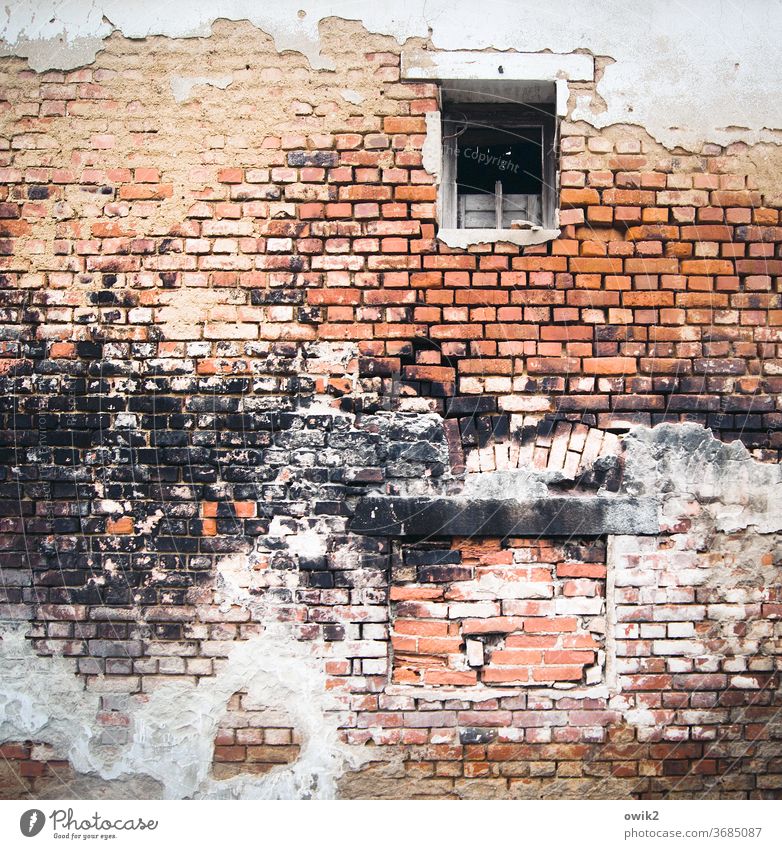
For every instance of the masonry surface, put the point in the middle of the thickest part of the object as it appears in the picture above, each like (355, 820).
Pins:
(297, 501)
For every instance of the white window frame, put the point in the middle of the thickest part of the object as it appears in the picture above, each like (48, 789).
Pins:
(518, 70)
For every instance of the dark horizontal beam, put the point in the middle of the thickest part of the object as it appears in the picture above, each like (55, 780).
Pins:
(494, 517)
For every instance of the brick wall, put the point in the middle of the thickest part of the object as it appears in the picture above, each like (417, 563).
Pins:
(228, 319)
(501, 612)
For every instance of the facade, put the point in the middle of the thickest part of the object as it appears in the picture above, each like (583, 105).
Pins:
(390, 402)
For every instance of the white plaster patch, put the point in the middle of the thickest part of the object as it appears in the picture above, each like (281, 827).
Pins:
(276, 671)
(182, 87)
(308, 543)
(641, 716)
(352, 96)
(687, 74)
(432, 149)
(234, 577)
(562, 95)
(686, 464)
(172, 734)
(473, 65)
(464, 238)
(41, 698)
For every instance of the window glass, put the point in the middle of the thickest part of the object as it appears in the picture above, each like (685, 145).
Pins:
(498, 166)
(514, 157)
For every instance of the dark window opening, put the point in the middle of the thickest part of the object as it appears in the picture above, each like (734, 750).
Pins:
(498, 166)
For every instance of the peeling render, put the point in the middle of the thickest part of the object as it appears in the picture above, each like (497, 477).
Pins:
(659, 67)
(182, 87)
(172, 730)
(466, 238)
(686, 465)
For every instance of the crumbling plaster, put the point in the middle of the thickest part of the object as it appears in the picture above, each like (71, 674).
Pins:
(689, 74)
(173, 727)
(706, 489)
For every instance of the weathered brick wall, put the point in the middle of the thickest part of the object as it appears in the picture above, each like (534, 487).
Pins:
(228, 319)
(502, 612)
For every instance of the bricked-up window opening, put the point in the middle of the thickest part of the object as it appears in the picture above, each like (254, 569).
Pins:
(498, 166)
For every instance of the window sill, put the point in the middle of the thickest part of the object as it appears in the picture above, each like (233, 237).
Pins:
(486, 693)
(464, 238)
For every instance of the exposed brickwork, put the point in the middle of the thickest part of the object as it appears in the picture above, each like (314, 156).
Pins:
(226, 320)
(511, 612)
(253, 740)
(657, 303)
(24, 766)
(483, 443)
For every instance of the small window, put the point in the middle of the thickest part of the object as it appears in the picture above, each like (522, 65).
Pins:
(498, 166)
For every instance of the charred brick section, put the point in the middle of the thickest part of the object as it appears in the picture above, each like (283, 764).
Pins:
(100, 521)
(554, 517)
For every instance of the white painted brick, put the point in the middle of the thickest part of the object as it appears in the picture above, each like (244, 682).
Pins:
(635, 578)
(681, 629)
(588, 606)
(474, 651)
(677, 647)
(473, 610)
(726, 611)
(673, 613)
(677, 735)
(373, 631)
(761, 664)
(375, 666)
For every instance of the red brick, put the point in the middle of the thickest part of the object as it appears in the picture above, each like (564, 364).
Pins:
(557, 673)
(610, 365)
(122, 525)
(549, 626)
(579, 197)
